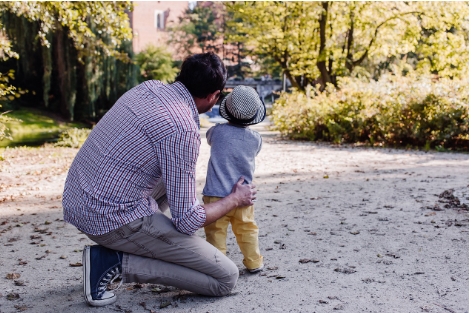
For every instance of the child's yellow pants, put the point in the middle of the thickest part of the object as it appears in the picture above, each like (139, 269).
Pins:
(245, 230)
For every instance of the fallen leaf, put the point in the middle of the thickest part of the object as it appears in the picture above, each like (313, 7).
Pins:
(345, 270)
(13, 296)
(164, 304)
(160, 289)
(21, 308)
(12, 276)
(393, 255)
(78, 264)
(308, 260)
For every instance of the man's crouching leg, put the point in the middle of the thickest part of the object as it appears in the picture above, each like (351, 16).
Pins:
(216, 281)
(155, 252)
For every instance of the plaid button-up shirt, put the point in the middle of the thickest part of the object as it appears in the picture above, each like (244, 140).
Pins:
(150, 134)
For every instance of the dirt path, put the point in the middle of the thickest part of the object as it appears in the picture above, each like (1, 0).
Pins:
(342, 228)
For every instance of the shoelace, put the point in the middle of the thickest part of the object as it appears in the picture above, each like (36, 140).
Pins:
(109, 278)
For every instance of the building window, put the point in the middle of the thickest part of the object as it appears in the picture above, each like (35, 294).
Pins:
(159, 19)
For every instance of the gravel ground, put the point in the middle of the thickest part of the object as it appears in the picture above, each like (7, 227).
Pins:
(342, 228)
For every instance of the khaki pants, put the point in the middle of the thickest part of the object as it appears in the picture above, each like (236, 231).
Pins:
(155, 252)
(245, 230)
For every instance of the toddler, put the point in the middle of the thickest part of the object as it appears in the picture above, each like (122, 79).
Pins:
(233, 151)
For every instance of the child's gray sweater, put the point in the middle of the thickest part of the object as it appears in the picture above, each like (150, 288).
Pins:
(233, 153)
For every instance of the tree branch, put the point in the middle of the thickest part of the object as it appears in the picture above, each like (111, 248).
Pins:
(366, 52)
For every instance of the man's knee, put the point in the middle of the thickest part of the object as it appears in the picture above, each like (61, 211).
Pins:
(228, 282)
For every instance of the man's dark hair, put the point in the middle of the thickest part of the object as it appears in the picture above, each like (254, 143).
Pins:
(202, 74)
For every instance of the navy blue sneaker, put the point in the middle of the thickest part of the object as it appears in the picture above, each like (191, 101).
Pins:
(101, 267)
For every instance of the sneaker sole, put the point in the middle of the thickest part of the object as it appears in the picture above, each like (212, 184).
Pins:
(87, 287)
(256, 270)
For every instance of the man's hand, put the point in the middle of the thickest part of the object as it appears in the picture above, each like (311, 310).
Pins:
(241, 195)
(245, 194)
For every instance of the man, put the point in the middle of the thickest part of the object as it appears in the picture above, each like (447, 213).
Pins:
(145, 149)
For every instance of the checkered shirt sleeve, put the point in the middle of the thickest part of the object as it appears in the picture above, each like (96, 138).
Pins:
(177, 156)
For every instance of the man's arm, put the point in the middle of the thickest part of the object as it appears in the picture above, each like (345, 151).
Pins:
(177, 156)
(240, 196)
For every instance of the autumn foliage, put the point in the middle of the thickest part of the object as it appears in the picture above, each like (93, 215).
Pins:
(393, 111)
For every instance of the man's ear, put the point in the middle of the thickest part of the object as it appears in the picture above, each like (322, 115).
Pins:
(211, 97)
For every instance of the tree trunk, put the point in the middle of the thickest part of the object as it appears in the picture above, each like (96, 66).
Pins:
(47, 70)
(350, 39)
(321, 63)
(293, 81)
(61, 69)
(71, 94)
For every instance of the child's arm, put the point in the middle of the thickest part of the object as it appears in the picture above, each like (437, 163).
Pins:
(260, 143)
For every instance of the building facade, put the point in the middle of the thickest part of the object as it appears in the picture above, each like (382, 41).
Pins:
(150, 21)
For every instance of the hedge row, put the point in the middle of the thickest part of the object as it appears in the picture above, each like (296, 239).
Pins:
(393, 111)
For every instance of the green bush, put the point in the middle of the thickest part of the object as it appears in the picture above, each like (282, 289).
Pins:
(394, 111)
(156, 63)
(73, 137)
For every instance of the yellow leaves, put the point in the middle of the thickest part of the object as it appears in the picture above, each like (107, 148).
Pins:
(382, 29)
(395, 109)
(109, 18)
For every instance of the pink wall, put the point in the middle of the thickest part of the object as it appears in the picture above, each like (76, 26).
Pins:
(143, 22)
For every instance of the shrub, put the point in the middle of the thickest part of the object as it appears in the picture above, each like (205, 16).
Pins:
(73, 137)
(156, 63)
(394, 111)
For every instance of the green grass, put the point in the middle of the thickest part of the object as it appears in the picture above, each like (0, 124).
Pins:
(36, 128)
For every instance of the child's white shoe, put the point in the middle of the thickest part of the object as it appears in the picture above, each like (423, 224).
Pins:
(256, 270)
